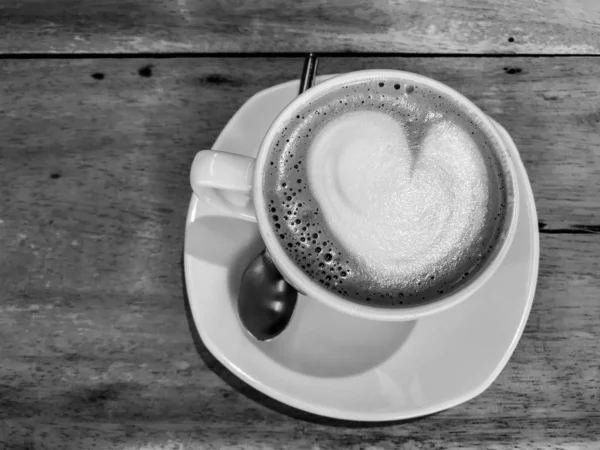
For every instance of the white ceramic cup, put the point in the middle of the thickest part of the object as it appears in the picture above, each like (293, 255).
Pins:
(233, 184)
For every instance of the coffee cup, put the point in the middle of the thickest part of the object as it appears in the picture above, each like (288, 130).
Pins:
(384, 194)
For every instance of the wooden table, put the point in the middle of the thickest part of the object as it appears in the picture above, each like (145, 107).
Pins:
(103, 105)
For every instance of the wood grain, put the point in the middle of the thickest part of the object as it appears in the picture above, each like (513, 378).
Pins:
(94, 338)
(407, 26)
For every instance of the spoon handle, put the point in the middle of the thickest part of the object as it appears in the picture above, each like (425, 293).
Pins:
(309, 72)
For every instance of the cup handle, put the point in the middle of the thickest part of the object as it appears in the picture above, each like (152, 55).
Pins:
(224, 180)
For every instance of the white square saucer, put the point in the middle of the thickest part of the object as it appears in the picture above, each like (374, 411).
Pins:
(338, 366)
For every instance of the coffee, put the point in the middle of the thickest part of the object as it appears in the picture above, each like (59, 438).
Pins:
(387, 192)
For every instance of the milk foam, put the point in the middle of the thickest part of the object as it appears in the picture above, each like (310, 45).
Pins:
(402, 211)
(385, 193)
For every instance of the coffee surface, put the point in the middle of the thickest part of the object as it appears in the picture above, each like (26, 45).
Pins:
(387, 193)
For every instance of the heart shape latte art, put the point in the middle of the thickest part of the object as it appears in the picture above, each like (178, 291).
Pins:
(400, 208)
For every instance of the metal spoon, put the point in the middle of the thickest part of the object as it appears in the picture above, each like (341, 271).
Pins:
(266, 301)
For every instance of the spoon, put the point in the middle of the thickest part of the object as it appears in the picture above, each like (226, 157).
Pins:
(266, 301)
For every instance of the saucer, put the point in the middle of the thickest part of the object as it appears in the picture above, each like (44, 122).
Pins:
(339, 366)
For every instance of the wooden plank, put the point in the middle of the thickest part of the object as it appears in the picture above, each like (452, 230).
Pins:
(95, 349)
(548, 105)
(121, 371)
(409, 26)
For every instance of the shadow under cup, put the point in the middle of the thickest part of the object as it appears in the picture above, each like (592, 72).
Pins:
(286, 126)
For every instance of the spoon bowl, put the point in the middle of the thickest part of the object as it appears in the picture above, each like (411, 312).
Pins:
(266, 301)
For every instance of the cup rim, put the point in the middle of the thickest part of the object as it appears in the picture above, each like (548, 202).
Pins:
(305, 284)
